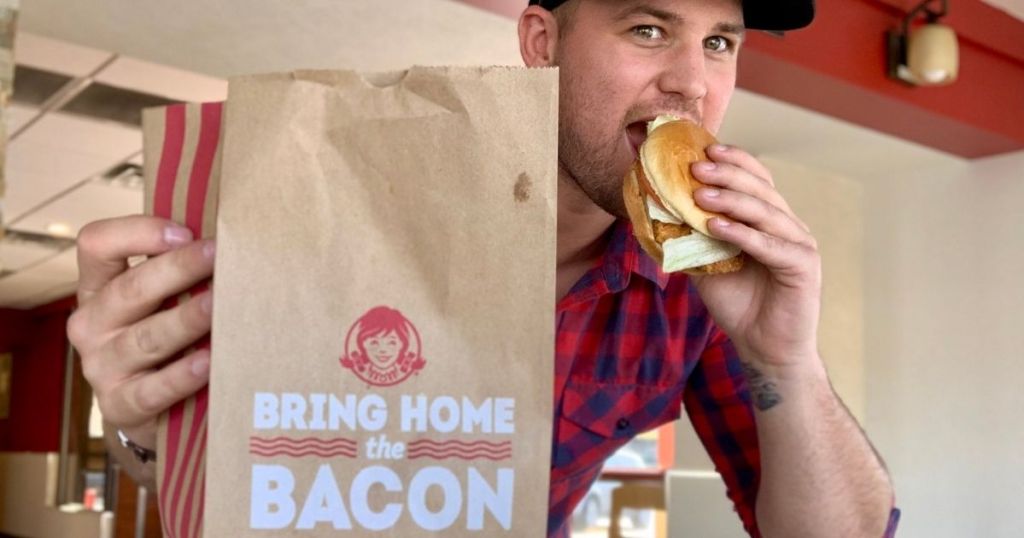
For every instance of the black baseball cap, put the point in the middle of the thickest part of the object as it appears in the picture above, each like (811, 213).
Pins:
(777, 15)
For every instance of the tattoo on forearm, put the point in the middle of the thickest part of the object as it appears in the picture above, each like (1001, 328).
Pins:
(762, 389)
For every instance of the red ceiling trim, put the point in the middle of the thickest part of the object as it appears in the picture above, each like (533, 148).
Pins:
(847, 43)
(767, 75)
(983, 25)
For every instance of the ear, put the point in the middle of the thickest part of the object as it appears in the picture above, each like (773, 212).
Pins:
(538, 36)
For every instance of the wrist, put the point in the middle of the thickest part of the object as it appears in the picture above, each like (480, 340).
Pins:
(804, 371)
(796, 366)
(771, 384)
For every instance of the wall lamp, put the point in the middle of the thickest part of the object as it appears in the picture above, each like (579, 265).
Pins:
(926, 55)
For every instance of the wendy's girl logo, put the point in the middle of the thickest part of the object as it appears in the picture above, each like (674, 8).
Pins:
(383, 348)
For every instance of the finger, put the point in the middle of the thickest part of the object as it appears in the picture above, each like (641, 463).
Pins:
(738, 179)
(735, 156)
(137, 401)
(104, 247)
(785, 257)
(753, 212)
(153, 339)
(139, 291)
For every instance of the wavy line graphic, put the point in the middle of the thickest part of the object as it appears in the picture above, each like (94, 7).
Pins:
(460, 449)
(303, 452)
(469, 453)
(454, 442)
(504, 454)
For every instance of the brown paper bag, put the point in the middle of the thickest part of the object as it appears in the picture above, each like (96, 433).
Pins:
(384, 302)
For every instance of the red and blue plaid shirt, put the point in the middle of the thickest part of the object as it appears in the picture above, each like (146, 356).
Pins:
(630, 352)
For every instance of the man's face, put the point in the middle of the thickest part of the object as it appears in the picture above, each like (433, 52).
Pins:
(622, 63)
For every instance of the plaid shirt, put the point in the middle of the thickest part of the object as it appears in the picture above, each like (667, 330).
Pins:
(629, 353)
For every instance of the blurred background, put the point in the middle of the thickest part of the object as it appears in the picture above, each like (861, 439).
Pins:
(915, 194)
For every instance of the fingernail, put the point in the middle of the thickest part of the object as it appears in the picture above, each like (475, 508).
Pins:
(210, 249)
(201, 366)
(206, 302)
(709, 192)
(718, 148)
(177, 235)
(705, 166)
(721, 223)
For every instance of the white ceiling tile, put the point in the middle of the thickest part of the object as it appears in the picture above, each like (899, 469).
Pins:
(169, 82)
(15, 256)
(40, 52)
(93, 201)
(50, 280)
(58, 152)
(53, 293)
(15, 115)
(18, 290)
(1014, 8)
(82, 134)
(53, 164)
(231, 37)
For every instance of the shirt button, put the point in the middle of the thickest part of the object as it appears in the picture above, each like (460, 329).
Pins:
(622, 424)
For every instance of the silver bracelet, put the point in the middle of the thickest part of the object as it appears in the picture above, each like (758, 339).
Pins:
(143, 454)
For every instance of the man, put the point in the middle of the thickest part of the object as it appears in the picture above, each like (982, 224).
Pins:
(739, 350)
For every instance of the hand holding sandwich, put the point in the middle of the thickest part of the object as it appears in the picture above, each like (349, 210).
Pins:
(713, 212)
(695, 205)
(769, 308)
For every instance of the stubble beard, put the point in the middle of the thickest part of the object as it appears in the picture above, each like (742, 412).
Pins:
(592, 159)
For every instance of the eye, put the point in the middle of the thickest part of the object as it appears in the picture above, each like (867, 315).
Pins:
(648, 32)
(718, 43)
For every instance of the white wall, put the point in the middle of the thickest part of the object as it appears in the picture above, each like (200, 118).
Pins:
(943, 326)
(945, 344)
(938, 381)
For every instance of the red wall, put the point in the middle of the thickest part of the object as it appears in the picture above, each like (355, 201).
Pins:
(36, 339)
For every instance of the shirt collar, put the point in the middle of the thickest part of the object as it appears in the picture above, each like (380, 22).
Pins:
(624, 257)
(612, 272)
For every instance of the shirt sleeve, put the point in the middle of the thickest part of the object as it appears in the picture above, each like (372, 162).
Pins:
(718, 403)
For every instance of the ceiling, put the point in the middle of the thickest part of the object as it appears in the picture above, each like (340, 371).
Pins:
(1013, 7)
(67, 168)
(230, 37)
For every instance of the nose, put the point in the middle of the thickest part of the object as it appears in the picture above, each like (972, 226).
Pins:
(684, 73)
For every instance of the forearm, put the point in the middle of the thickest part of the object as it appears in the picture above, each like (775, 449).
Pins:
(819, 473)
(143, 474)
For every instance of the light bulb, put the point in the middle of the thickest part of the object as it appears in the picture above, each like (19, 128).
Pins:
(932, 54)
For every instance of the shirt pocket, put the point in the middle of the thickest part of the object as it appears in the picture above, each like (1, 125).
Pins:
(598, 418)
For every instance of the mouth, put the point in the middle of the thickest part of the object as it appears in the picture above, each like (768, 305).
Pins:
(636, 133)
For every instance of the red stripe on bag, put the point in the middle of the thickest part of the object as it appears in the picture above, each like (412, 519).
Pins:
(199, 487)
(197, 440)
(163, 204)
